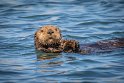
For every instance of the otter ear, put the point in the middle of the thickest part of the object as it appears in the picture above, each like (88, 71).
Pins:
(57, 29)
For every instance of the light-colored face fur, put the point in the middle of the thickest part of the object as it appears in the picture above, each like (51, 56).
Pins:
(48, 35)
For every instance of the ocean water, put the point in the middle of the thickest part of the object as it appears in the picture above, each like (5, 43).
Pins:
(84, 20)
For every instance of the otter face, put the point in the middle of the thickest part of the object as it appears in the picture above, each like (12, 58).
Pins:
(48, 35)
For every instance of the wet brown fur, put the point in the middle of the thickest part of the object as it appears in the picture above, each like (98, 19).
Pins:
(48, 39)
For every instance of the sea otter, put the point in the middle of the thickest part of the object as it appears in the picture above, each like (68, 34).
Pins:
(49, 39)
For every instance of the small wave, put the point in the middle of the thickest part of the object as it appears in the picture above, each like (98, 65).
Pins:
(96, 22)
(83, 20)
(8, 72)
(120, 32)
(90, 61)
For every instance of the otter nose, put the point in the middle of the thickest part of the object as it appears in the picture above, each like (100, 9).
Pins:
(50, 31)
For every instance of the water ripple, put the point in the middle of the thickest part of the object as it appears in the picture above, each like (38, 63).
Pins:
(87, 21)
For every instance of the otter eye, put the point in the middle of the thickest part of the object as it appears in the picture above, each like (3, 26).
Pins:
(41, 30)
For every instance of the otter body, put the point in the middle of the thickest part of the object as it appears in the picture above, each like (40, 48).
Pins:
(48, 39)
(102, 46)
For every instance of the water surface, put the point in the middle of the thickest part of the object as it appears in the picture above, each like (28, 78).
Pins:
(84, 20)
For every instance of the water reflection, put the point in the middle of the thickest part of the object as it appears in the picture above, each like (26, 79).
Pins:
(47, 61)
(46, 56)
(87, 21)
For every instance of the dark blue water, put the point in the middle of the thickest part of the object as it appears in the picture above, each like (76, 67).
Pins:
(84, 20)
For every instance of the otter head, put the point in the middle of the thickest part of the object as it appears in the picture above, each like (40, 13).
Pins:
(47, 36)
